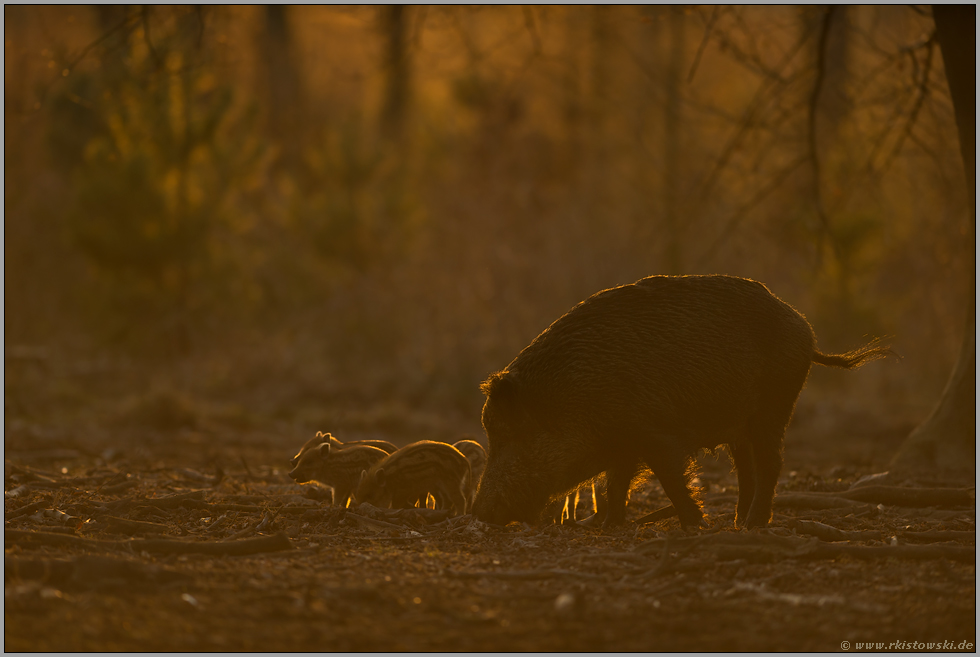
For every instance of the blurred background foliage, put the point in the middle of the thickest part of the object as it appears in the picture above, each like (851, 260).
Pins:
(304, 211)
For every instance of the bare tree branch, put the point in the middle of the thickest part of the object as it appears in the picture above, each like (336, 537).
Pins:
(924, 87)
(532, 28)
(145, 18)
(128, 22)
(923, 91)
(762, 95)
(704, 42)
(740, 214)
(812, 126)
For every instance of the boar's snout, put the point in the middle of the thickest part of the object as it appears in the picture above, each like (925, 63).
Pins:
(492, 511)
(492, 516)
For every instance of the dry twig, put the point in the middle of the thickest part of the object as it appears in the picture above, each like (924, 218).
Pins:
(132, 527)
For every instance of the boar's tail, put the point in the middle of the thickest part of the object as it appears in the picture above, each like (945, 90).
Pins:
(856, 357)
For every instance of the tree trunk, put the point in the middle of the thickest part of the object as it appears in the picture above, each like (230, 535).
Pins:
(282, 86)
(947, 438)
(394, 19)
(673, 130)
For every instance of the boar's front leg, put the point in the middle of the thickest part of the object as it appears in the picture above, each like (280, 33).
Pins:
(618, 480)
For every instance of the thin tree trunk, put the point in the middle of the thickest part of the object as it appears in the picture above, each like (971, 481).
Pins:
(673, 261)
(394, 19)
(282, 86)
(947, 438)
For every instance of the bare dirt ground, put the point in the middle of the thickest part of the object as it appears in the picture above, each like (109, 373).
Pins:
(156, 526)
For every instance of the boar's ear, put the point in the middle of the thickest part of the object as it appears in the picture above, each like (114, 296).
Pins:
(502, 386)
(503, 389)
(379, 477)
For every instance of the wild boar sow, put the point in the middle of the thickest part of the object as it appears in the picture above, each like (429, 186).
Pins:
(650, 373)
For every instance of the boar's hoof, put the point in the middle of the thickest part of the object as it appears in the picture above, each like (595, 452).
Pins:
(696, 528)
(756, 520)
(612, 523)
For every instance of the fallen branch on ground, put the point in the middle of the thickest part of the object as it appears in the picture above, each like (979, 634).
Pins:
(224, 508)
(131, 527)
(26, 510)
(22, 536)
(273, 543)
(193, 499)
(659, 514)
(829, 533)
(815, 501)
(120, 487)
(258, 525)
(911, 497)
(938, 536)
(200, 477)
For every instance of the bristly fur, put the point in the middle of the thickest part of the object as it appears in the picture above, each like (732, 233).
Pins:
(321, 438)
(338, 468)
(650, 373)
(412, 472)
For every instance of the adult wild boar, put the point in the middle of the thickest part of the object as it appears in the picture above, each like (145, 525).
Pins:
(650, 373)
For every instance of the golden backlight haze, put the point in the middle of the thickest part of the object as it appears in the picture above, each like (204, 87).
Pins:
(346, 217)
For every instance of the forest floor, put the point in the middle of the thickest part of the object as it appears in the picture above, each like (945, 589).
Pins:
(148, 529)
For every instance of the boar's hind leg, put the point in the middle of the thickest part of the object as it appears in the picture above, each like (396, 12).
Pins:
(745, 469)
(672, 469)
(767, 459)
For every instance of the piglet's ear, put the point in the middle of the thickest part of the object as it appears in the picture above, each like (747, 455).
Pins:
(363, 476)
(379, 477)
(324, 450)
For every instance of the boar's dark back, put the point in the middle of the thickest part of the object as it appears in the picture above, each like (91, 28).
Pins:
(681, 355)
